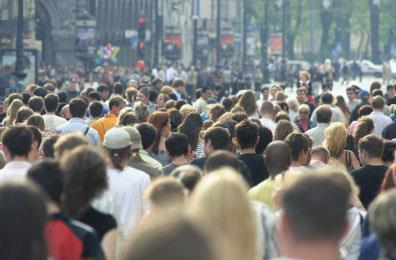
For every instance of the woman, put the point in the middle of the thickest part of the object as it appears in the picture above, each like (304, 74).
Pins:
(23, 114)
(12, 112)
(249, 105)
(176, 118)
(363, 111)
(161, 122)
(37, 121)
(335, 142)
(191, 127)
(365, 126)
(126, 184)
(344, 108)
(23, 216)
(161, 100)
(293, 108)
(282, 130)
(213, 206)
(302, 120)
(85, 179)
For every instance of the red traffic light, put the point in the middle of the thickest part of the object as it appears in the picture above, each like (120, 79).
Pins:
(141, 45)
(141, 20)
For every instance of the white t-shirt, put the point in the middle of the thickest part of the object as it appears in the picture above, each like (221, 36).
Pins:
(53, 121)
(268, 123)
(15, 171)
(127, 188)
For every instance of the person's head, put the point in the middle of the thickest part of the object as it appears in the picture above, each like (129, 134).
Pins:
(143, 95)
(283, 129)
(327, 99)
(162, 99)
(13, 110)
(177, 145)
(188, 176)
(302, 94)
(365, 110)
(17, 141)
(23, 114)
(375, 85)
(148, 134)
(314, 212)
(104, 92)
(248, 102)
(274, 90)
(41, 92)
(48, 175)
(119, 89)
(116, 104)
(184, 240)
(48, 146)
(166, 195)
(370, 147)
(381, 216)
(378, 103)
(85, 178)
(303, 111)
(215, 138)
(351, 93)
(215, 112)
(265, 91)
(278, 158)
(23, 217)
(78, 107)
(206, 93)
(213, 206)
(227, 104)
(37, 121)
(321, 154)
(36, 104)
(365, 126)
(246, 133)
(142, 112)
(388, 153)
(335, 139)
(186, 109)
(191, 127)
(161, 122)
(265, 137)
(93, 96)
(117, 143)
(220, 159)
(68, 142)
(95, 109)
(267, 109)
(299, 148)
(178, 85)
(323, 114)
(131, 93)
(127, 119)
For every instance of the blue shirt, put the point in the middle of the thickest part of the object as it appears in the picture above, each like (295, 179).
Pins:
(79, 125)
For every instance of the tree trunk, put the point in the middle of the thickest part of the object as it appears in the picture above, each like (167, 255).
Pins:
(374, 32)
(326, 17)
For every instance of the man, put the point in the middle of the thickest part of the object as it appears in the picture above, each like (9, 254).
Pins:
(116, 104)
(336, 113)
(201, 105)
(148, 133)
(144, 96)
(323, 116)
(314, 217)
(364, 100)
(36, 103)
(352, 100)
(302, 98)
(267, 115)
(52, 121)
(136, 161)
(178, 88)
(77, 108)
(278, 160)
(217, 138)
(389, 132)
(379, 118)
(17, 142)
(104, 92)
(177, 149)
(369, 178)
(265, 91)
(67, 238)
(246, 138)
(320, 157)
(300, 150)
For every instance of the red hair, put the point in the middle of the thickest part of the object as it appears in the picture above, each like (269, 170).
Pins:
(389, 182)
(159, 120)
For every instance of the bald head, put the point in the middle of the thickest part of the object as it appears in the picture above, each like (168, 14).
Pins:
(278, 158)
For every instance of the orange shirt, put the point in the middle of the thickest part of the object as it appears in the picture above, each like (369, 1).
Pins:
(104, 124)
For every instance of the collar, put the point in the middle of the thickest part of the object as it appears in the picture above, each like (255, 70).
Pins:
(322, 125)
(77, 120)
(17, 164)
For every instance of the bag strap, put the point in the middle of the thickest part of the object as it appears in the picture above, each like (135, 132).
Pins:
(86, 131)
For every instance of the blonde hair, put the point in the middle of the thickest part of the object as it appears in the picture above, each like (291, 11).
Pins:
(166, 90)
(335, 139)
(304, 108)
(213, 206)
(13, 111)
(293, 104)
(186, 109)
(167, 194)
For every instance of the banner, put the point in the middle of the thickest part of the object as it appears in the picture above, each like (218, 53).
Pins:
(85, 42)
(172, 47)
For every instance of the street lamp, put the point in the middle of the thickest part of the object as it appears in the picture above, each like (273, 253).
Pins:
(264, 44)
(244, 35)
(195, 18)
(19, 43)
(281, 4)
(218, 35)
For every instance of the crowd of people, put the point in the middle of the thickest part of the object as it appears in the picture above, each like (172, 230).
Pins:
(171, 168)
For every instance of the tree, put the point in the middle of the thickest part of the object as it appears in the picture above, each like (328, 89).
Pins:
(374, 30)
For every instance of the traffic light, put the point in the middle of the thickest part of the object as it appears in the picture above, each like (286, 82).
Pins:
(141, 35)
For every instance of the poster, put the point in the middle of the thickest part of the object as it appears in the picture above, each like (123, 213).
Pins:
(85, 42)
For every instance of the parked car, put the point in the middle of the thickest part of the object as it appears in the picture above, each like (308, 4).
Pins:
(369, 68)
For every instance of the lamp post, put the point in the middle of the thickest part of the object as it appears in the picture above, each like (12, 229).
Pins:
(244, 35)
(157, 33)
(195, 18)
(218, 35)
(19, 43)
